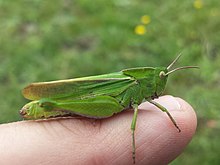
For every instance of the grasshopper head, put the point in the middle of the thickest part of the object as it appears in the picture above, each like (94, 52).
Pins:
(160, 79)
(162, 75)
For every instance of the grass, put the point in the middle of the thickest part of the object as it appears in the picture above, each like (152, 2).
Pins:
(48, 40)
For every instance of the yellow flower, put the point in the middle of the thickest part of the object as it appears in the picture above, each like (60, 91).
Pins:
(198, 4)
(145, 19)
(140, 30)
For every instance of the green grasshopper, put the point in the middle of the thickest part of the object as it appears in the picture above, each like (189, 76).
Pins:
(99, 96)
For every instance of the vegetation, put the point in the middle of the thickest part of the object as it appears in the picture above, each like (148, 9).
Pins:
(48, 40)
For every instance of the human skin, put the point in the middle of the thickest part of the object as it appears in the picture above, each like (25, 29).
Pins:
(108, 141)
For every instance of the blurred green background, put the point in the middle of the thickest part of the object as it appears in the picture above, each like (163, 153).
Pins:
(48, 40)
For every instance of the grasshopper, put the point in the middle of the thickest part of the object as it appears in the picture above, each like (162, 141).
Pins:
(99, 96)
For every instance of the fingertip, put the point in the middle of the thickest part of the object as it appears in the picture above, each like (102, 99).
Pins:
(187, 117)
(157, 140)
(161, 130)
(181, 111)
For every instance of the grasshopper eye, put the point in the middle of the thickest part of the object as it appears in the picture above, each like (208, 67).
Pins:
(162, 74)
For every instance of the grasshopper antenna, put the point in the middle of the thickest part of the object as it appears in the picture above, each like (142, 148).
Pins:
(181, 68)
(174, 61)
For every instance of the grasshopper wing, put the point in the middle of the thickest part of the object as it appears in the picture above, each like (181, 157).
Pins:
(108, 84)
